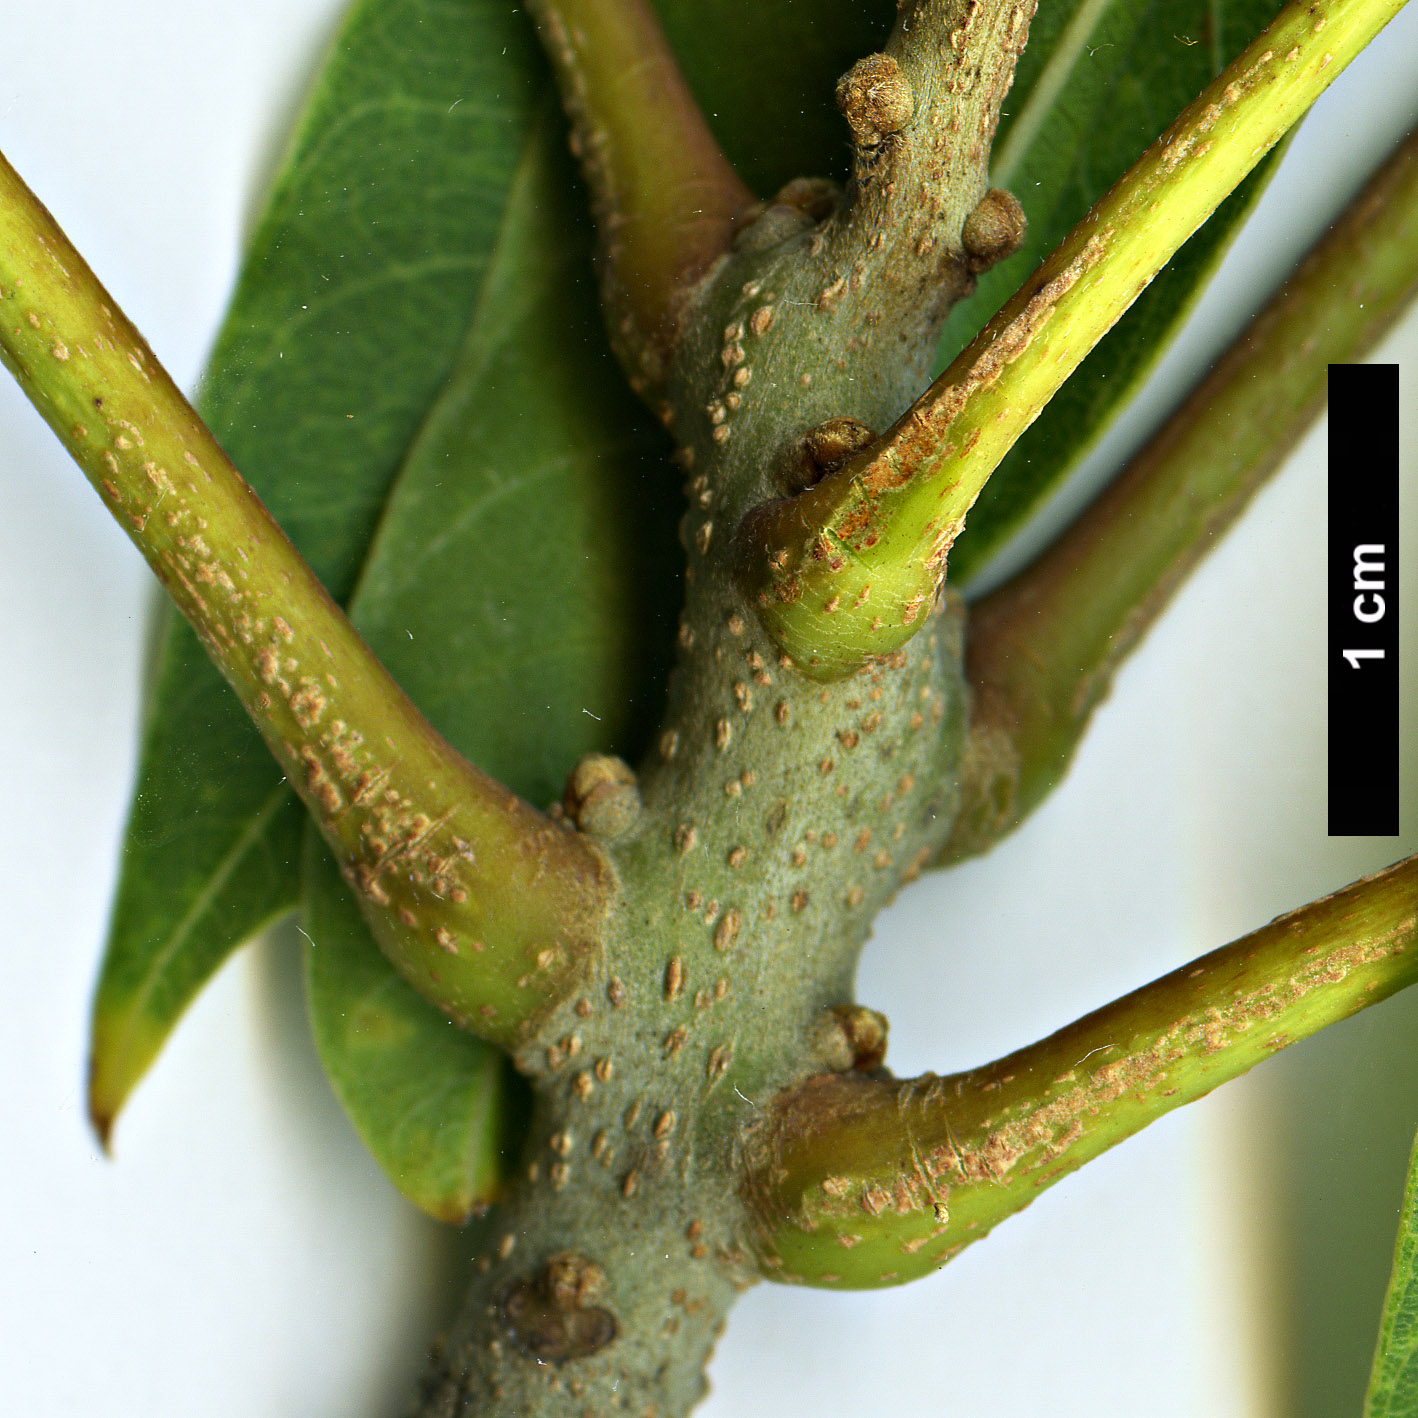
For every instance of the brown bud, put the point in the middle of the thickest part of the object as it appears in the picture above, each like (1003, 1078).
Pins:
(875, 98)
(865, 1030)
(828, 1043)
(822, 449)
(835, 440)
(994, 230)
(849, 1036)
(553, 1315)
(602, 795)
(571, 1282)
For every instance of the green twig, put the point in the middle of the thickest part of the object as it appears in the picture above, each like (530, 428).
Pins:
(844, 572)
(664, 196)
(484, 904)
(1043, 649)
(862, 1182)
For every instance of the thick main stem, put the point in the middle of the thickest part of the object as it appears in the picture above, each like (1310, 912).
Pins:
(484, 904)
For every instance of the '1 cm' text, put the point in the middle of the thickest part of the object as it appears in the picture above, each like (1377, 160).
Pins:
(1369, 604)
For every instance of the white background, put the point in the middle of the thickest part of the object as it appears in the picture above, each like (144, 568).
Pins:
(241, 1256)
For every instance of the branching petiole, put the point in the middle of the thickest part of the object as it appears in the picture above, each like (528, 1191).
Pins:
(487, 906)
(860, 1182)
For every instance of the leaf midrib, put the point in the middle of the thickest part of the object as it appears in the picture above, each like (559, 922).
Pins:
(256, 824)
(525, 163)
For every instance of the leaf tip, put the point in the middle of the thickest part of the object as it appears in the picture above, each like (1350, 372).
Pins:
(103, 1113)
(115, 1067)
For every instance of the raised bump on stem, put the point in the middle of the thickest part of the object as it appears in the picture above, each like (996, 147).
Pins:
(843, 572)
(855, 1182)
(1042, 650)
(486, 906)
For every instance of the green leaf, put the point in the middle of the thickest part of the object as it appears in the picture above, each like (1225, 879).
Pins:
(229, 865)
(1099, 80)
(507, 591)
(1393, 1384)
(520, 587)
(350, 310)
(440, 1110)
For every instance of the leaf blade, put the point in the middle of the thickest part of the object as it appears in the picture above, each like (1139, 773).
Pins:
(1393, 1383)
(512, 539)
(437, 1108)
(236, 889)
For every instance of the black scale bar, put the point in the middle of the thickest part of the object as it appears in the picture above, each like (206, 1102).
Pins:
(1363, 599)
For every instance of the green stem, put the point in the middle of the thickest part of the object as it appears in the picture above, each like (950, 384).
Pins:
(664, 196)
(1043, 649)
(485, 905)
(862, 1182)
(843, 572)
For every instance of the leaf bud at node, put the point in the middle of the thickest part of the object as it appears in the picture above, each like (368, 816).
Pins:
(994, 230)
(768, 226)
(602, 795)
(875, 98)
(553, 1315)
(849, 1037)
(865, 1030)
(820, 450)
